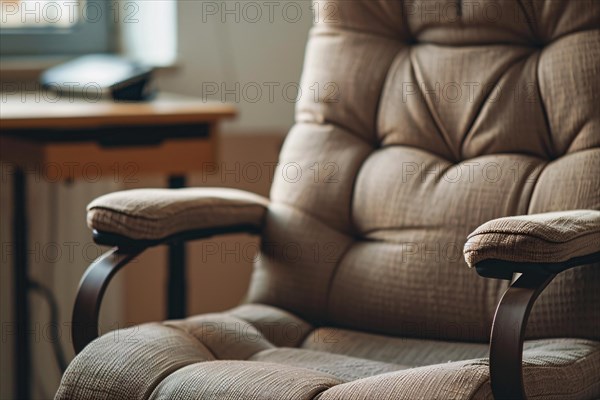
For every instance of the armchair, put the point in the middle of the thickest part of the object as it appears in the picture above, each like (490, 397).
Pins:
(445, 121)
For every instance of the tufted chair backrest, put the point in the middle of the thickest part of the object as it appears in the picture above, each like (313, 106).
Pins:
(417, 122)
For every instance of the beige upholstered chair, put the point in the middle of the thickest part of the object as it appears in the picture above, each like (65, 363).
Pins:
(446, 124)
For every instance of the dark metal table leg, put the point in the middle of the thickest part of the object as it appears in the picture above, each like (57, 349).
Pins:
(176, 291)
(22, 355)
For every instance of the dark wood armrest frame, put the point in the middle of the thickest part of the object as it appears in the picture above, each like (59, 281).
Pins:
(512, 313)
(94, 282)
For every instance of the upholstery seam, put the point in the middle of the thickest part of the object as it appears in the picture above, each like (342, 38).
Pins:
(312, 328)
(531, 235)
(393, 40)
(301, 342)
(336, 125)
(578, 131)
(475, 44)
(320, 393)
(324, 30)
(180, 329)
(409, 33)
(148, 393)
(441, 157)
(353, 227)
(535, 185)
(434, 116)
(185, 211)
(345, 128)
(544, 166)
(573, 32)
(312, 216)
(334, 273)
(391, 228)
(379, 138)
(530, 20)
(212, 352)
(469, 132)
(525, 186)
(552, 149)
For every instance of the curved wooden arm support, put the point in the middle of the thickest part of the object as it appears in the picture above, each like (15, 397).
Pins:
(508, 334)
(94, 282)
(510, 320)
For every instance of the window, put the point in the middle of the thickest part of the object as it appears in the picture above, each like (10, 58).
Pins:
(55, 27)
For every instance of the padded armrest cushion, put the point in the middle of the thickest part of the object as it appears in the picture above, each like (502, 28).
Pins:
(538, 238)
(153, 214)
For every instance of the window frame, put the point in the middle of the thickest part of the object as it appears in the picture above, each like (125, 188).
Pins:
(83, 38)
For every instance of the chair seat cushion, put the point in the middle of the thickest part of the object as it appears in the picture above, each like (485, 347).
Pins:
(261, 352)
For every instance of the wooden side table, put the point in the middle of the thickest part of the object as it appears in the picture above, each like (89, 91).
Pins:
(73, 138)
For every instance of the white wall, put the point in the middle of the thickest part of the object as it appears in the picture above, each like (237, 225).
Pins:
(217, 48)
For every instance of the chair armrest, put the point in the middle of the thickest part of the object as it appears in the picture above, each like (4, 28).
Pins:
(134, 220)
(153, 215)
(551, 242)
(539, 246)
